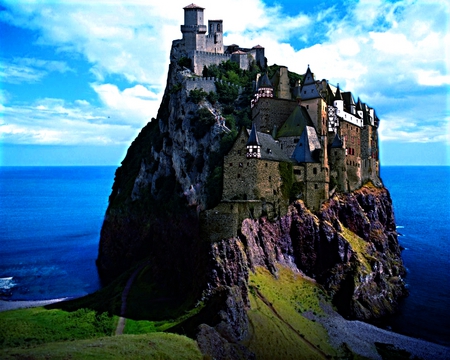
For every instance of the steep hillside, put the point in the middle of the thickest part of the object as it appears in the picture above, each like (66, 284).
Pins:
(172, 173)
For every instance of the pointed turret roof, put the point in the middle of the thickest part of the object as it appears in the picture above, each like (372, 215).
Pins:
(308, 77)
(264, 82)
(337, 142)
(359, 106)
(348, 98)
(253, 137)
(295, 123)
(338, 95)
(307, 146)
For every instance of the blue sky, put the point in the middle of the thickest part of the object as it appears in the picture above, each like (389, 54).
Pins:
(79, 79)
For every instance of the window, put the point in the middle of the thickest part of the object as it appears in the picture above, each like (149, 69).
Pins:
(314, 171)
(241, 165)
(270, 178)
(267, 165)
(238, 176)
(239, 152)
(297, 172)
(315, 186)
(218, 27)
(307, 106)
(231, 164)
(296, 141)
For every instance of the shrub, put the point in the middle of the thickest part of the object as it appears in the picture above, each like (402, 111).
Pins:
(197, 95)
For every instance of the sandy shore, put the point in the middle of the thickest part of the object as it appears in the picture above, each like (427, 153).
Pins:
(12, 305)
(361, 337)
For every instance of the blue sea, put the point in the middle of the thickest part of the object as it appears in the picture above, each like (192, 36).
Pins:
(50, 220)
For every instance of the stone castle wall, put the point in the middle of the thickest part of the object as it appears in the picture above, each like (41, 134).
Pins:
(268, 112)
(203, 58)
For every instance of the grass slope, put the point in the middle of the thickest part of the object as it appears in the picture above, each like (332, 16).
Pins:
(280, 325)
(150, 346)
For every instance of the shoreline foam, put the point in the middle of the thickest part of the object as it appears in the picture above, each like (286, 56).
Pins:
(6, 305)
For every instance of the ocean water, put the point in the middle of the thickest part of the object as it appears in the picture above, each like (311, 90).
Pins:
(50, 220)
(421, 198)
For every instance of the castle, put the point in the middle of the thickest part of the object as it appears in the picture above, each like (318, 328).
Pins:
(311, 135)
(204, 49)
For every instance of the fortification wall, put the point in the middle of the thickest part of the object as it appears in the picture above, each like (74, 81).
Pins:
(224, 221)
(203, 58)
(207, 84)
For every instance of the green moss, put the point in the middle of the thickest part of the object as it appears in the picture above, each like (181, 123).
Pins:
(151, 346)
(360, 247)
(287, 178)
(279, 330)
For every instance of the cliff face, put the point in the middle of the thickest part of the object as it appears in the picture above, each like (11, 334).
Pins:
(350, 246)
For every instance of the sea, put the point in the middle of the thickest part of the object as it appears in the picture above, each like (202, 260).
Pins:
(50, 221)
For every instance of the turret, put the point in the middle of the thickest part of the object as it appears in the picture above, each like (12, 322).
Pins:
(193, 29)
(253, 145)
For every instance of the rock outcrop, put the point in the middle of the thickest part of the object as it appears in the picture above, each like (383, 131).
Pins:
(350, 246)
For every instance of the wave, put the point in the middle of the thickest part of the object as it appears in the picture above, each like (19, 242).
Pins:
(6, 285)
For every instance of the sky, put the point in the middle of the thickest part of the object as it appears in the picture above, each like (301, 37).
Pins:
(80, 78)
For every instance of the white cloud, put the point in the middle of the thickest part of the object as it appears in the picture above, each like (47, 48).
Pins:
(29, 70)
(372, 47)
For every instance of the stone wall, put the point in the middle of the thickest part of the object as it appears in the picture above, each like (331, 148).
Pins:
(268, 112)
(316, 185)
(224, 221)
(202, 58)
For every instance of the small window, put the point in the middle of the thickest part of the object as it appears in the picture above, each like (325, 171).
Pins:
(307, 106)
(231, 164)
(239, 152)
(267, 165)
(238, 176)
(241, 164)
(270, 178)
(315, 186)
(297, 172)
(314, 171)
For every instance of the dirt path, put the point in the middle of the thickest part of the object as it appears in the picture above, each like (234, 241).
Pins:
(125, 292)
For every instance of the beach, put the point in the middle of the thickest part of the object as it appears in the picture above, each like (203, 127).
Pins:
(13, 305)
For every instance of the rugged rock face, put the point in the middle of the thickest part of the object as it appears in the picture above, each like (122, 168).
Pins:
(350, 246)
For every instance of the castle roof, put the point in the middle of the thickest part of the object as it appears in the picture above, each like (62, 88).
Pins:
(348, 98)
(270, 149)
(239, 52)
(359, 105)
(337, 142)
(193, 6)
(309, 89)
(264, 82)
(257, 47)
(253, 137)
(338, 95)
(296, 123)
(307, 147)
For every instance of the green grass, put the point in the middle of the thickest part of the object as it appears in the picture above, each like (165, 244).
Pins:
(29, 327)
(359, 246)
(151, 346)
(278, 328)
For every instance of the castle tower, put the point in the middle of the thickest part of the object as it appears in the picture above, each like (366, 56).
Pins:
(281, 85)
(214, 39)
(193, 29)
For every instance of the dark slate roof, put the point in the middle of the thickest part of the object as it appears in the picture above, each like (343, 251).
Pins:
(338, 95)
(337, 142)
(348, 98)
(270, 149)
(253, 137)
(359, 106)
(193, 6)
(308, 77)
(296, 123)
(257, 47)
(264, 82)
(307, 148)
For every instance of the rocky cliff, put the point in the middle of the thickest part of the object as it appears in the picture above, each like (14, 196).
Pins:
(165, 182)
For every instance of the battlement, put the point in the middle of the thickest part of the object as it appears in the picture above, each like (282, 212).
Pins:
(207, 84)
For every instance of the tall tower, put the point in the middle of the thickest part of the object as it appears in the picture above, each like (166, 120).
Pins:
(193, 29)
(214, 39)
